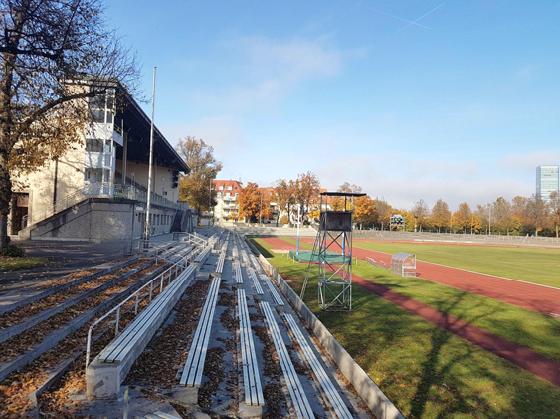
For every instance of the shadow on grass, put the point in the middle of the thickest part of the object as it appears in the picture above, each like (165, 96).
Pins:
(432, 375)
(264, 251)
(423, 368)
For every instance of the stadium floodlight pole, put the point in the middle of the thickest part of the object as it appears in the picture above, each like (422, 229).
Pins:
(150, 159)
(260, 210)
(489, 219)
(297, 231)
(210, 209)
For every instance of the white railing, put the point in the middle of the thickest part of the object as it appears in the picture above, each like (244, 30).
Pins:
(197, 239)
(105, 190)
(145, 290)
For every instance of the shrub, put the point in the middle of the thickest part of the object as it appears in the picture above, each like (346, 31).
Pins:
(12, 251)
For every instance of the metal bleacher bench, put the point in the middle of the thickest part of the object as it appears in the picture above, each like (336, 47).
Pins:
(201, 257)
(273, 290)
(220, 264)
(255, 280)
(238, 274)
(254, 399)
(321, 376)
(256, 262)
(297, 393)
(192, 371)
(110, 367)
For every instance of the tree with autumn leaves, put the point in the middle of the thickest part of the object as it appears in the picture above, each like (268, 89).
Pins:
(196, 186)
(302, 192)
(254, 203)
(520, 216)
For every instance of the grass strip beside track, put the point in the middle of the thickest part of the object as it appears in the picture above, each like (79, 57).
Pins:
(538, 265)
(425, 370)
(537, 331)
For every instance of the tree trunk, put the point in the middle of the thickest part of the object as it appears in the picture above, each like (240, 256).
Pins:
(5, 197)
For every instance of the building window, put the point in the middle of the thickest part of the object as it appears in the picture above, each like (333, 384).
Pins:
(94, 145)
(93, 175)
(102, 107)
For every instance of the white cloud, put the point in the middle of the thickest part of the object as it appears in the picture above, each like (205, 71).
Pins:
(273, 68)
(402, 179)
(294, 59)
(530, 160)
(221, 131)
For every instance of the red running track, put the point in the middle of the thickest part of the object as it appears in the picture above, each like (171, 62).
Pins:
(527, 295)
(534, 297)
(519, 355)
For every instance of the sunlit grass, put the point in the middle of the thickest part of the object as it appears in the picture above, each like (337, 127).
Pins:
(425, 370)
(539, 265)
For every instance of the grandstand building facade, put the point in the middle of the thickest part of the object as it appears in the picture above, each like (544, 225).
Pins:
(98, 190)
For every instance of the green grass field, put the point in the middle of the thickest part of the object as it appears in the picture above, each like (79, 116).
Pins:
(539, 265)
(12, 263)
(427, 371)
(539, 332)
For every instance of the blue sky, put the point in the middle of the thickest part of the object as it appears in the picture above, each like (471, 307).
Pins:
(413, 99)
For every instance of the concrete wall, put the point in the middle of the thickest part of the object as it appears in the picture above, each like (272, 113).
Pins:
(254, 229)
(162, 178)
(100, 220)
(40, 184)
(458, 238)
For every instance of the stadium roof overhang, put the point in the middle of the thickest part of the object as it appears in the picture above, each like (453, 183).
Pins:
(136, 125)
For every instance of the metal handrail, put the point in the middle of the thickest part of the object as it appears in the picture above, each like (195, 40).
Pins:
(195, 238)
(178, 267)
(103, 190)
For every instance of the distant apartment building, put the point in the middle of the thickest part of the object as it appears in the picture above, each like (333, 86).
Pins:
(98, 189)
(548, 181)
(227, 207)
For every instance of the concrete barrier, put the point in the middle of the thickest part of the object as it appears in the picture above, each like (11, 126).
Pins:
(366, 388)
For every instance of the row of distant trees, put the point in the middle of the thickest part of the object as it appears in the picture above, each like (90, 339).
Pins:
(281, 203)
(255, 204)
(519, 216)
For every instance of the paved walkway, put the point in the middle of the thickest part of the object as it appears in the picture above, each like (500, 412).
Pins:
(67, 256)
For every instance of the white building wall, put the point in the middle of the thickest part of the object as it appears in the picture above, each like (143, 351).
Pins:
(162, 179)
(548, 181)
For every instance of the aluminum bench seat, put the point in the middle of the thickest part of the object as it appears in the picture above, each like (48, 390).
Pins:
(329, 390)
(255, 280)
(254, 399)
(194, 366)
(296, 390)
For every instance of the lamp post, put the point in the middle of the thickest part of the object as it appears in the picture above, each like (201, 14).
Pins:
(260, 211)
(489, 219)
(210, 202)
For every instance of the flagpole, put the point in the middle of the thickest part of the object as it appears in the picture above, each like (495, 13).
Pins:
(149, 197)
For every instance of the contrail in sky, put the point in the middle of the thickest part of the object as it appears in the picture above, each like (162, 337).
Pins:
(402, 19)
(409, 22)
(428, 13)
